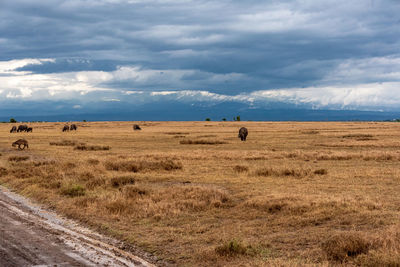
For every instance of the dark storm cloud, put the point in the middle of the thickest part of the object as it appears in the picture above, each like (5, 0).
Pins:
(226, 47)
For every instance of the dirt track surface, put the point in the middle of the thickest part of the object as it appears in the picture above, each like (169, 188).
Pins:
(31, 236)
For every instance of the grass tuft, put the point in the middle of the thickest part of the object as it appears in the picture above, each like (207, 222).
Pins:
(73, 190)
(3, 171)
(341, 247)
(138, 166)
(299, 173)
(93, 161)
(63, 143)
(122, 180)
(231, 248)
(133, 191)
(321, 172)
(356, 136)
(201, 142)
(91, 148)
(240, 168)
(18, 158)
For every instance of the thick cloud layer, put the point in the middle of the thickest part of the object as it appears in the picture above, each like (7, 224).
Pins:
(320, 54)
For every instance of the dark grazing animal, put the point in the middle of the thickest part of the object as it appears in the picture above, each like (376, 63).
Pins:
(66, 128)
(29, 129)
(73, 127)
(22, 128)
(243, 133)
(21, 143)
(136, 127)
(13, 129)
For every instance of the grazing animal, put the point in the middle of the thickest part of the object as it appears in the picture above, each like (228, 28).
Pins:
(66, 128)
(243, 133)
(13, 129)
(21, 143)
(22, 128)
(29, 129)
(73, 127)
(136, 127)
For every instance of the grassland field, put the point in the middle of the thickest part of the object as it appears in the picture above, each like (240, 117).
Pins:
(193, 194)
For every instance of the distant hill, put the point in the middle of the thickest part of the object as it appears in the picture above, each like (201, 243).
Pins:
(173, 111)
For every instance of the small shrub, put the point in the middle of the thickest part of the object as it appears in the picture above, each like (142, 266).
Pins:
(91, 148)
(240, 168)
(342, 246)
(73, 190)
(231, 248)
(64, 143)
(201, 142)
(18, 158)
(237, 118)
(321, 172)
(122, 180)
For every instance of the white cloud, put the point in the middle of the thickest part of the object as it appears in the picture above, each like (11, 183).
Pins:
(382, 69)
(344, 89)
(10, 67)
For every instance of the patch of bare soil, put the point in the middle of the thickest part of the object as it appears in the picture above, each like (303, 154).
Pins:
(30, 235)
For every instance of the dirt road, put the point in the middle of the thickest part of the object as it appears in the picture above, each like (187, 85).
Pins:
(32, 236)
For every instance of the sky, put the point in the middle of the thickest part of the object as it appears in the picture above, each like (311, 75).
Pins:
(104, 55)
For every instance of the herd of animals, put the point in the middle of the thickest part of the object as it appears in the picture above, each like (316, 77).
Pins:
(22, 143)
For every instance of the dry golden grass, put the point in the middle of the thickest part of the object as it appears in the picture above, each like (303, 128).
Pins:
(193, 194)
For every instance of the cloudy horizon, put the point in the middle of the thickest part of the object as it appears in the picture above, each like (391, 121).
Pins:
(331, 55)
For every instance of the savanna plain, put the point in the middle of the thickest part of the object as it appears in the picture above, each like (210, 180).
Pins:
(193, 194)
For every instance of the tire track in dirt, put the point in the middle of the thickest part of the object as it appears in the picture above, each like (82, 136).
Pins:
(30, 235)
